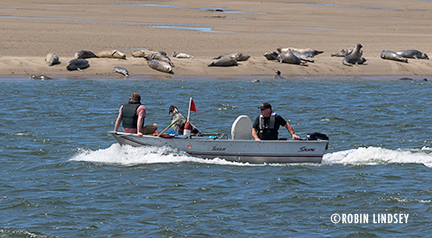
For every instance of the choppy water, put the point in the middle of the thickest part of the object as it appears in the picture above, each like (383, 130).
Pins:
(64, 176)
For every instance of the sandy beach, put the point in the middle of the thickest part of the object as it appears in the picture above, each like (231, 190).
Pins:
(205, 29)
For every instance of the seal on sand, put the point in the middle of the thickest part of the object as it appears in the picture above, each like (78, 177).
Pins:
(115, 54)
(414, 54)
(236, 56)
(142, 53)
(52, 59)
(349, 51)
(243, 57)
(350, 60)
(84, 54)
(271, 55)
(391, 55)
(77, 64)
(357, 50)
(341, 53)
(290, 58)
(231, 55)
(182, 55)
(39, 77)
(162, 66)
(303, 51)
(121, 70)
(224, 62)
(302, 56)
(160, 57)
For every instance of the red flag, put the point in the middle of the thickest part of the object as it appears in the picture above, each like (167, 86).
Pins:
(193, 107)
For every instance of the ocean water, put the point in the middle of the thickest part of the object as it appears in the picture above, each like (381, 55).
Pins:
(64, 176)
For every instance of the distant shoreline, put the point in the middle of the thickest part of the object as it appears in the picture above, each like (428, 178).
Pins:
(250, 27)
(324, 66)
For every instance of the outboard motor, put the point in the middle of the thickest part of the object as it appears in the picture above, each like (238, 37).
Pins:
(316, 136)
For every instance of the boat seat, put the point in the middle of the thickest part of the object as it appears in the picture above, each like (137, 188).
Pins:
(241, 128)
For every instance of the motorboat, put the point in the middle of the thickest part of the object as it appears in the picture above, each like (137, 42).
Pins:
(239, 148)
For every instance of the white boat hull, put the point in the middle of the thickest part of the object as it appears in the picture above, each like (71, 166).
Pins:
(245, 151)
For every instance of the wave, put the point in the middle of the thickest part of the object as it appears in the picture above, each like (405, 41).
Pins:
(130, 156)
(378, 155)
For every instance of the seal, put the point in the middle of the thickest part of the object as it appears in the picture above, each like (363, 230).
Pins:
(224, 62)
(309, 54)
(243, 57)
(160, 57)
(142, 53)
(84, 54)
(114, 54)
(391, 55)
(77, 64)
(159, 65)
(278, 75)
(290, 58)
(414, 54)
(410, 79)
(350, 60)
(39, 77)
(271, 55)
(182, 55)
(231, 55)
(236, 56)
(341, 53)
(303, 51)
(52, 59)
(356, 51)
(302, 56)
(121, 70)
(349, 51)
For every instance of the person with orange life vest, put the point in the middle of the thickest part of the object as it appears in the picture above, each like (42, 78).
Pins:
(267, 124)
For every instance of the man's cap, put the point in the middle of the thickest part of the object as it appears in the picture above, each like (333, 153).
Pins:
(264, 106)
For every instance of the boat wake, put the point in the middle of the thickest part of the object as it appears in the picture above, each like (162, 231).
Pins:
(378, 155)
(131, 156)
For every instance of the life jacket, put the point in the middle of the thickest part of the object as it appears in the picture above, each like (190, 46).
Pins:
(269, 131)
(129, 114)
(272, 121)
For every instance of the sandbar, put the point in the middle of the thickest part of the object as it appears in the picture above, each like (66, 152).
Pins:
(206, 29)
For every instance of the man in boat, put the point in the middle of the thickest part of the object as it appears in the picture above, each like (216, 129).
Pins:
(267, 124)
(132, 116)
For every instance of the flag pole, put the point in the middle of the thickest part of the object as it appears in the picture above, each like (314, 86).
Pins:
(190, 100)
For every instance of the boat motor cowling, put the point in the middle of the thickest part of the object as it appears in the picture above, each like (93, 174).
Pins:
(317, 136)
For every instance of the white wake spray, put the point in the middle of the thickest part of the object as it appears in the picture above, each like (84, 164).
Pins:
(130, 156)
(378, 155)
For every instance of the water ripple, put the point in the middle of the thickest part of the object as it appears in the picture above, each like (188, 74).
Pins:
(63, 175)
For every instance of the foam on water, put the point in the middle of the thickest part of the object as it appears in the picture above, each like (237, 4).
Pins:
(129, 156)
(378, 155)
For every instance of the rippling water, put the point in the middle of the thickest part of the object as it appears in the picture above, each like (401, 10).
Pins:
(64, 176)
